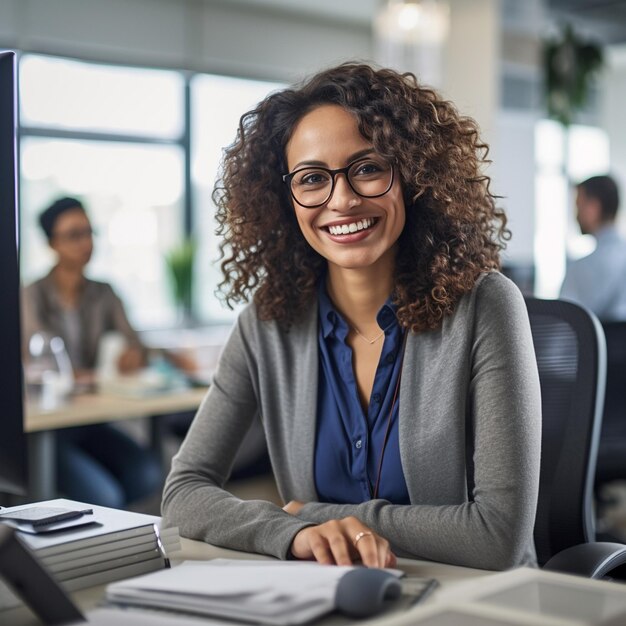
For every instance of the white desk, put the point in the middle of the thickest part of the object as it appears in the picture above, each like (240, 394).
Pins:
(448, 575)
(578, 601)
(92, 408)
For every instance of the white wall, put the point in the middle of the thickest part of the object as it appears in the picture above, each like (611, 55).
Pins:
(472, 61)
(513, 177)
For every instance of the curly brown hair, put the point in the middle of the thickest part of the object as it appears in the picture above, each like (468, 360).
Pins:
(453, 230)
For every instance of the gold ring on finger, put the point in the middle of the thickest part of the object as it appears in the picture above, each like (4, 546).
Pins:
(359, 536)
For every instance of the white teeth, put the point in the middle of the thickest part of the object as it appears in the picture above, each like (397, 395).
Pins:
(353, 227)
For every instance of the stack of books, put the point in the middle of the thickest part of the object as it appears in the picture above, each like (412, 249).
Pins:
(114, 545)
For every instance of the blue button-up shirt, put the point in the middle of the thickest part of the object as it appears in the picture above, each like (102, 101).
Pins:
(597, 281)
(349, 441)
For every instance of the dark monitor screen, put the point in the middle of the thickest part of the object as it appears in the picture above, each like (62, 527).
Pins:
(13, 470)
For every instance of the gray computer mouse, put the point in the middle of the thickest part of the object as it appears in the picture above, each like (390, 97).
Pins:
(363, 592)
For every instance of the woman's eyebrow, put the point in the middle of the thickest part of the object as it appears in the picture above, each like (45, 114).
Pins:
(353, 157)
(360, 154)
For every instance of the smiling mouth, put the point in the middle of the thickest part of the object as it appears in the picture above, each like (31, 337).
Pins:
(352, 227)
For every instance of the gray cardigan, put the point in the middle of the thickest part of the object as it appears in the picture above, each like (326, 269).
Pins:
(470, 424)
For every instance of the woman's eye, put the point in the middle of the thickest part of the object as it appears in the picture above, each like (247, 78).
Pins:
(313, 178)
(367, 168)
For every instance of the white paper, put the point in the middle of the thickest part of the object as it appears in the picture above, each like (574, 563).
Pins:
(205, 579)
(270, 592)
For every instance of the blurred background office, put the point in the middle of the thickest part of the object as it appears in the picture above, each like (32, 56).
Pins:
(127, 104)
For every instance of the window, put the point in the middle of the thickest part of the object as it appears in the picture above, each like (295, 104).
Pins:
(215, 121)
(563, 157)
(116, 137)
(63, 94)
(133, 195)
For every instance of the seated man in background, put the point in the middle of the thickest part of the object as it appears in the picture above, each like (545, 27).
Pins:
(598, 281)
(98, 464)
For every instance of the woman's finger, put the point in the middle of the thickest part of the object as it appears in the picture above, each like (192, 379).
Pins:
(339, 547)
(341, 542)
(391, 560)
(365, 543)
(383, 552)
(320, 547)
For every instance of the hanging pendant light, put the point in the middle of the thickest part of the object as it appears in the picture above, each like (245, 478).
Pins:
(410, 36)
(413, 21)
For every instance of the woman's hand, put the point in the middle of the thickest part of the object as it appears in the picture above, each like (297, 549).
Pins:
(184, 362)
(293, 507)
(342, 542)
(131, 360)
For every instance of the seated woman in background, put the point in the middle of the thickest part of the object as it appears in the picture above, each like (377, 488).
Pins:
(391, 363)
(97, 464)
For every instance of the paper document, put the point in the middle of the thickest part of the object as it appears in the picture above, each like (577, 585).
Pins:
(103, 616)
(258, 591)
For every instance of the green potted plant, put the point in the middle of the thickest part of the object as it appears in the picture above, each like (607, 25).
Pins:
(570, 65)
(180, 263)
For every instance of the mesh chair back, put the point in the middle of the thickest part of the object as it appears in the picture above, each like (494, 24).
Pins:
(612, 452)
(571, 357)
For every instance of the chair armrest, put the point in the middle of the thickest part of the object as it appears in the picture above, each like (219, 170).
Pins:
(592, 560)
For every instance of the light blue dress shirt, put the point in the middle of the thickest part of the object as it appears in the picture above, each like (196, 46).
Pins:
(598, 281)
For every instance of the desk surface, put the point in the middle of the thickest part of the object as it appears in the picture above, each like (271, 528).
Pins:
(565, 600)
(92, 408)
(448, 576)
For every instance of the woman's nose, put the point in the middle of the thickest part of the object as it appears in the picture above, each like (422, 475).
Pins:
(343, 197)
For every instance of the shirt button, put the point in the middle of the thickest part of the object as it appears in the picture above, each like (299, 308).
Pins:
(390, 358)
(376, 397)
(358, 444)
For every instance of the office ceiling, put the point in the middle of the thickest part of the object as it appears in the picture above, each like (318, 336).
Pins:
(603, 20)
(349, 11)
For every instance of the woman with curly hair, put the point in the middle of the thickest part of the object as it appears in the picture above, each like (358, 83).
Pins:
(390, 362)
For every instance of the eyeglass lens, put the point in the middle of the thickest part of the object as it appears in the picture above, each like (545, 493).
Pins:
(368, 177)
(75, 235)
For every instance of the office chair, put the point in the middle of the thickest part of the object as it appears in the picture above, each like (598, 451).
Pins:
(612, 449)
(571, 358)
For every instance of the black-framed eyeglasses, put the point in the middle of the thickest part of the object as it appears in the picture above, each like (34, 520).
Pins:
(75, 235)
(369, 177)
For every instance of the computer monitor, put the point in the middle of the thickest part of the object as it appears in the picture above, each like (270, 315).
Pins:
(13, 460)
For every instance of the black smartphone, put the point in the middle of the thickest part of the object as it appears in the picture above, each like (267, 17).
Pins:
(43, 515)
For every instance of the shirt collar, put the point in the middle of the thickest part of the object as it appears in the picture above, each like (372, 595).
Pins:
(330, 318)
(84, 294)
(332, 321)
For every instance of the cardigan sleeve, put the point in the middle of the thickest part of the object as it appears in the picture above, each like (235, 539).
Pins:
(494, 529)
(194, 498)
